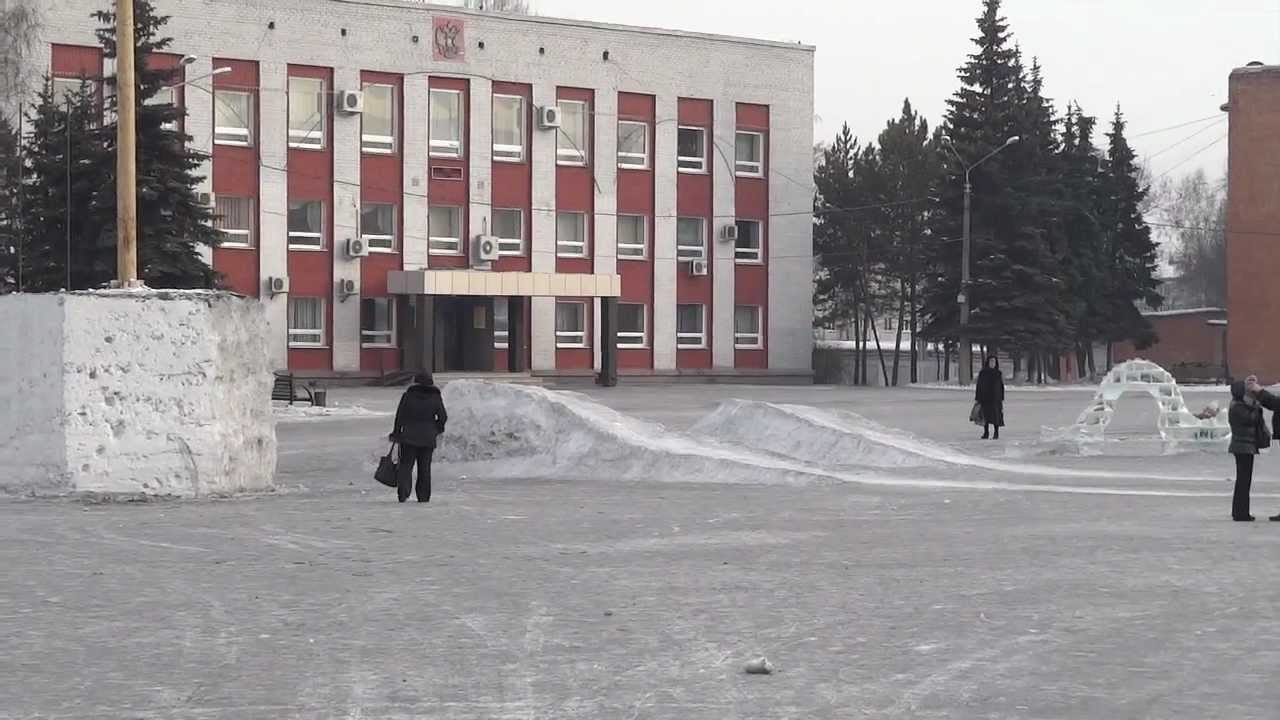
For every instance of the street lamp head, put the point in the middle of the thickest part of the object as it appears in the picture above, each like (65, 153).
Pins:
(220, 71)
(188, 59)
(946, 139)
(1013, 140)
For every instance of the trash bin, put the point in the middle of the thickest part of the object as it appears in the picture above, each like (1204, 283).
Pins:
(321, 396)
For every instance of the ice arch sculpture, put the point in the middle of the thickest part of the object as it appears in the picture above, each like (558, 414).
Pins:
(1175, 421)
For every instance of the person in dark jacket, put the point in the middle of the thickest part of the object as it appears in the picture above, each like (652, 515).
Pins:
(1249, 435)
(419, 419)
(1270, 402)
(990, 396)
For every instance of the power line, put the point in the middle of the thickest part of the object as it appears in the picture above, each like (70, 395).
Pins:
(1176, 127)
(1189, 158)
(1193, 135)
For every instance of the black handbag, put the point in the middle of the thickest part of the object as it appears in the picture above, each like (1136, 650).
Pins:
(388, 469)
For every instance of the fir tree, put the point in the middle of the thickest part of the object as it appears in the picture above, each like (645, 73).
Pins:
(173, 224)
(1131, 253)
(10, 177)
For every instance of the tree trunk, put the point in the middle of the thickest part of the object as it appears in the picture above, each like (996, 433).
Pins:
(866, 350)
(875, 333)
(857, 346)
(915, 336)
(897, 341)
(1093, 370)
(946, 362)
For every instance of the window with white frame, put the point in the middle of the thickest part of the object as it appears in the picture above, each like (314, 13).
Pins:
(633, 144)
(165, 96)
(444, 230)
(378, 226)
(632, 324)
(501, 323)
(632, 237)
(65, 89)
(445, 123)
(306, 224)
(691, 328)
(747, 248)
(749, 154)
(378, 322)
(571, 324)
(233, 117)
(378, 120)
(233, 217)
(306, 322)
(307, 113)
(508, 128)
(691, 149)
(508, 226)
(573, 138)
(691, 239)
(746, 327)
(571, 234)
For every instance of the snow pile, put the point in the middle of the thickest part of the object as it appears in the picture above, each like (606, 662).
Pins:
(528, 431)
(290, 413)
(163, 393)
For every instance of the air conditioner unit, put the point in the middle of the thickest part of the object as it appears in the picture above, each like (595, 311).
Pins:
(346, 288)
(357, 248)
(485, 249)
(277, 285)
(207, 199)
(729, 233)
(698, 268)
(350, 101)
(549, 117)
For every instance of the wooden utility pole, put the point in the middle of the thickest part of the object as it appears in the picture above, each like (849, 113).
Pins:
(126, 150)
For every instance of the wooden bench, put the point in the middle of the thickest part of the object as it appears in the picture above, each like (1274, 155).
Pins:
(286, 389)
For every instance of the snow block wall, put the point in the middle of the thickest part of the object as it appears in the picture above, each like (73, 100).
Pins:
(154, 392)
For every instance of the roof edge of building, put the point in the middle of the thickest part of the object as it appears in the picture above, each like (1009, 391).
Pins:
(1185, 311)
(1260, 69)
(590, 24)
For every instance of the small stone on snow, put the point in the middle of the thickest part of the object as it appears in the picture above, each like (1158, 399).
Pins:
(759, 666)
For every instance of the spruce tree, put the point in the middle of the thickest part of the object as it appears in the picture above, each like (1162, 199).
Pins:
(10, 177)
(68, 186)
(1131, 253)
(1084, 265)
(173, 224)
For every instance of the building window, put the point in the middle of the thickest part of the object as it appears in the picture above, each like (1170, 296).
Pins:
(306, 224)
(632, 320)
(571, 234)
(746, 327)
(631, 237)
(508, 128)
(571, 324)
(571, 141)
(501, 323)
(691, 329)
(307, 111)
(747, 248)
(633, 144)
(888, 322)
(233, 216)
(750, 154)
(691, 149)
(378, 121)
(446, 123)
(233, 117)
(66, 89)
(444, 230)
(508, 226)
(378, 322)
(165, 96)
(306, 322)
(378, 226)
(691, 239)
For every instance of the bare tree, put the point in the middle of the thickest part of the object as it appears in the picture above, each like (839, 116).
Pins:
(1195, 209)
(514, 7)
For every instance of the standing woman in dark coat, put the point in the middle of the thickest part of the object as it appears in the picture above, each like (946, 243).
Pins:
(1248, 436)
(990, 396)
(419, 419)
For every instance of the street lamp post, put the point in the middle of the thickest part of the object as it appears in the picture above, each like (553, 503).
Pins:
(966, 346)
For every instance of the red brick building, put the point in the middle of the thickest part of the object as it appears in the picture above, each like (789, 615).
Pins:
(1190, 345)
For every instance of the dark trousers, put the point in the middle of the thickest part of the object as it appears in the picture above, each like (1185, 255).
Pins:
(986, 430)
(410, 454)
(1244, 480)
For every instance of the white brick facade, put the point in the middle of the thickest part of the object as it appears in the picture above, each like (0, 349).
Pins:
(544, 53)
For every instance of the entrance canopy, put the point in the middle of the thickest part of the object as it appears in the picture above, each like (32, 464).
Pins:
(503, 284)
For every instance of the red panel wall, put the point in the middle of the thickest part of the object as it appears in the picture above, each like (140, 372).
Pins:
(635, 197)
(381, 181)
(235, 173)
(311, 272)
(453, 192)
(694, 199)
(513, 183)
(751, 281)
(73, 61)
(575, 192)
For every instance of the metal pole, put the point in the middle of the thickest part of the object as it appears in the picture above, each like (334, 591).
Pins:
(67, 209)
(126, 150)
(22, 176)
(966, 349)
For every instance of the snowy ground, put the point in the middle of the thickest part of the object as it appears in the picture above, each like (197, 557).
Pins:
(593, 597)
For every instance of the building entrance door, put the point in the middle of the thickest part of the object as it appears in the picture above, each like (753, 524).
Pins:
(463, 334)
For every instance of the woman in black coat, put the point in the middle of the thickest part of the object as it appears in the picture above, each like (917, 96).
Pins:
(419, 420)
(990, 397)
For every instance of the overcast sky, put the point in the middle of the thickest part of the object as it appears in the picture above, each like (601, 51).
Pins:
(1165, 61)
